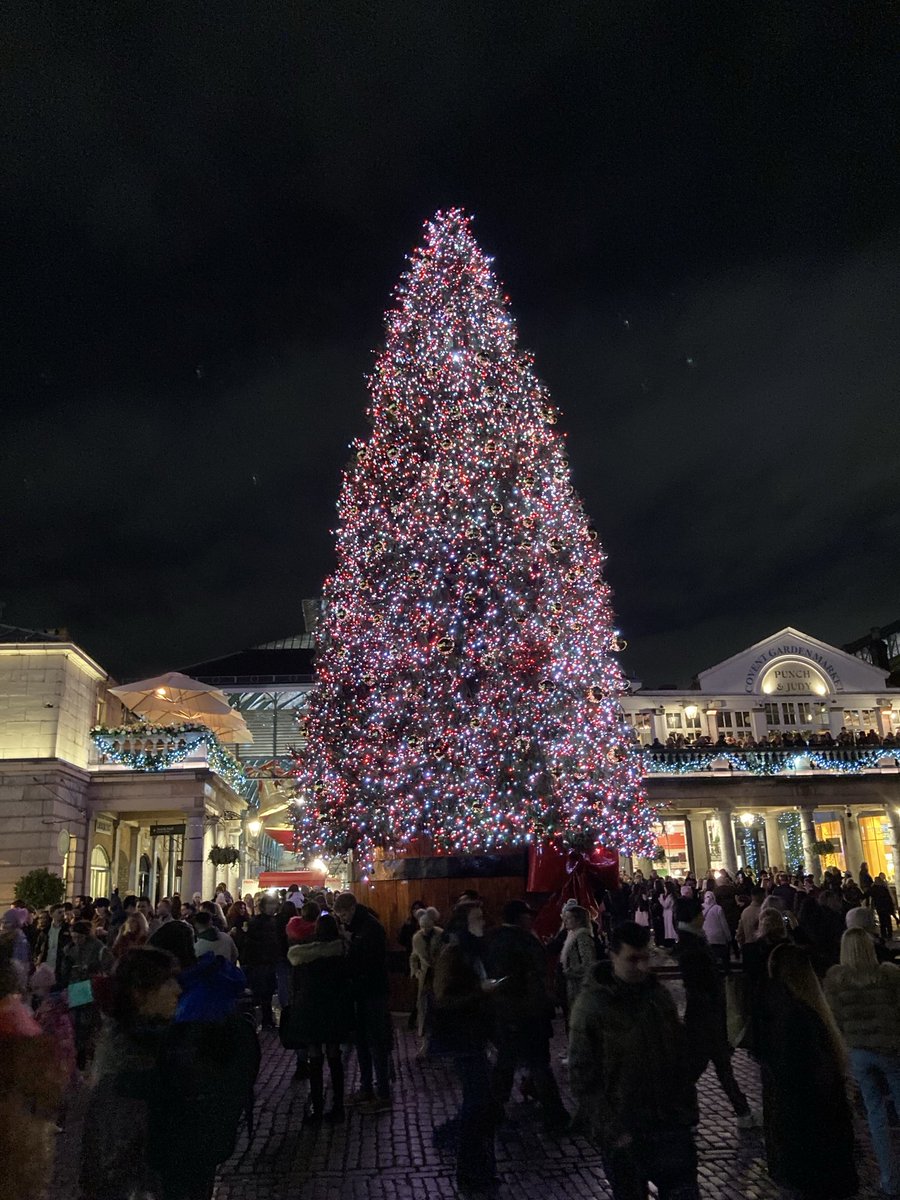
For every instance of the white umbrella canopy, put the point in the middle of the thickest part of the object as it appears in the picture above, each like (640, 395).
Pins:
(174, 696)
(231, 728)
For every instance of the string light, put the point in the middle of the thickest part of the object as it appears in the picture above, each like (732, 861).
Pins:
(793, 841)
(764, 762)
(466, 684)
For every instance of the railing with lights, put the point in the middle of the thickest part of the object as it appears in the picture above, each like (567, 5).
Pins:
(843, 760)
(161, 747)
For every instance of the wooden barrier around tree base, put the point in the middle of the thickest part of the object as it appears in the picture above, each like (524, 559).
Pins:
(390, 899)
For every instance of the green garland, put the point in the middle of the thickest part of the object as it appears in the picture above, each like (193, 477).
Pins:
(159, 747)
(846, 761)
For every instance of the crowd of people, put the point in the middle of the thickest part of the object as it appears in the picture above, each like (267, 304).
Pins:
(159, 1011)
(795, 739)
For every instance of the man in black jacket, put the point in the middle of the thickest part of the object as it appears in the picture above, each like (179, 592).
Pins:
(369, 978)
(523, 1011)
(624, 1022)
(260, 954)
(706, 1017)
(50, 946)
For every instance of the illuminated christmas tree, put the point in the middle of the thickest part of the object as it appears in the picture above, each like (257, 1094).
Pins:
(467, 685)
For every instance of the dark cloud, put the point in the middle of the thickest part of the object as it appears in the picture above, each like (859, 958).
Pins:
(206, 208)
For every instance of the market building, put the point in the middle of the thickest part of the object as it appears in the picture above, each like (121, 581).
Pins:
(104, 805)
(760, 761)
(107, 804)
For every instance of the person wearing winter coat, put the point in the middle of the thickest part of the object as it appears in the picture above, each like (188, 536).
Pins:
(667, 904)
(207, 1066)
(133, 933)
(260, 954)
(209, 940)
(523, 1012)
(322, 1013)
(372, 1019)
(807, 1119)
(51, 942)
(115, 1144)
(624, 1024)
(749, 919)
(578, 952)
(31, 1084)
(864, 995)
(705, 1015)
(425, 949)
(717, 931)
(461, 1028)
(883, 902)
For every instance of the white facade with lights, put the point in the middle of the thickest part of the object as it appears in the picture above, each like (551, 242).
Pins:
(789, 736)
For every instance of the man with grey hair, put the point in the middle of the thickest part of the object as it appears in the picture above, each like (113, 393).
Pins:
(369, 981)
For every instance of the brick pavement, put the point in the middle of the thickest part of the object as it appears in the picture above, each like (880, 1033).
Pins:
(391, 1155)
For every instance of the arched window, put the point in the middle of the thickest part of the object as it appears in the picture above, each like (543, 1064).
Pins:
(144, 876)
(99, 872)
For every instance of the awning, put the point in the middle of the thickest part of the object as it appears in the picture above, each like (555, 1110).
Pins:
(283, 879)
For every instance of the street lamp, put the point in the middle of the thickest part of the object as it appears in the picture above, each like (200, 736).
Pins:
(747, 819)
(253, 827)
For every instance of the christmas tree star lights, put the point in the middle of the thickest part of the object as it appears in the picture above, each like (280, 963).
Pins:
(467, 686)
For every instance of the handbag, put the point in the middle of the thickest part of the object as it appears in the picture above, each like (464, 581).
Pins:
(80, 993)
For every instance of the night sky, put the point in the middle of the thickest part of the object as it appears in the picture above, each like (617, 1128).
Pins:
(207, 205)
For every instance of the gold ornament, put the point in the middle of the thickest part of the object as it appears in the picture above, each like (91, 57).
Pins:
(547, 685)
(595, 694)
(490, 446)
(496, 508)
(619, 645)
(551, 416)
(445, 646)
(555, 545)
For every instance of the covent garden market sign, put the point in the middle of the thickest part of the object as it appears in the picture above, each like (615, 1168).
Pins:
(793, 676)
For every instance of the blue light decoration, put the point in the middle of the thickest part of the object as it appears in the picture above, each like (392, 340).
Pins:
(467, 686)
(793, 839)
(765, 762)
(750, 846)
(159, 747)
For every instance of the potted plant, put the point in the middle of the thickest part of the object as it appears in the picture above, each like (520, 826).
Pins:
(223, 856)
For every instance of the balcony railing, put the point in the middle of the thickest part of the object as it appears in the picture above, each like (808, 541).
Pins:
(164, 747)
(716, 760)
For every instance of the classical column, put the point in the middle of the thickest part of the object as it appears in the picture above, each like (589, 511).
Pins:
(699, 856)
(726, 834)
(853, 850)
(812, 864)
(192, 867)
(774, 841)
(117, 849)
(135, 859)
(892, 815)
(153, 886)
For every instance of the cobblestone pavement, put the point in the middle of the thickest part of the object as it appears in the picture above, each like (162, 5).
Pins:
(391, 1155)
